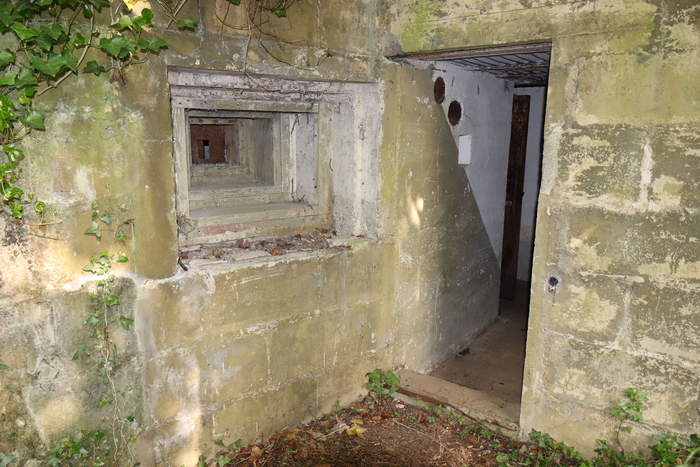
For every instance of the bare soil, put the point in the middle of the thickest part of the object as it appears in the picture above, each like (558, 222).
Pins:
(376, 432)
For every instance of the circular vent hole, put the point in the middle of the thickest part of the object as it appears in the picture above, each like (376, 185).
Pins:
(454, 113)
(439, 90)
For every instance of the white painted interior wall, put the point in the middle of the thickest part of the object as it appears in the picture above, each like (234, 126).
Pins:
(533, 164)
(487, 103)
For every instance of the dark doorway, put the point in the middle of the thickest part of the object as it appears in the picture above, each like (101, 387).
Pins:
(514, 194)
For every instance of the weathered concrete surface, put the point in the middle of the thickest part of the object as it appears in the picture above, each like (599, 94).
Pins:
(475, 404)
(233, 351)
(617, 223)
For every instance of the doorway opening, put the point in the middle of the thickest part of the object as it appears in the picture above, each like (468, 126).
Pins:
(493, 364)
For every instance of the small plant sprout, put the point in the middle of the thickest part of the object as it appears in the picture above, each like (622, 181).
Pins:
(382, 383)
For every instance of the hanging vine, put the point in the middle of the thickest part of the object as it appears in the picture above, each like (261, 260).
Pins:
(48, 41)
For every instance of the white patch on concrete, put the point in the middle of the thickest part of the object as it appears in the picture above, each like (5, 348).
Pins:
(487, 104)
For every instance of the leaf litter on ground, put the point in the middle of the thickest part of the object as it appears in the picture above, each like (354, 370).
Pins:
(390, 433)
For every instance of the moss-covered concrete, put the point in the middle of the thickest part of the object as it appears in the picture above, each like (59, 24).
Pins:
(618, 207)
(231, 351)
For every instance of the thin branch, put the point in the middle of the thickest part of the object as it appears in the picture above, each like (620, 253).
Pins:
(175, 13)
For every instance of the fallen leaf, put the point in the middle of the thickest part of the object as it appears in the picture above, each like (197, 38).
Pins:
(291, 434)
(256, 451)
(356, 430)
(358, 421)
(275, 252)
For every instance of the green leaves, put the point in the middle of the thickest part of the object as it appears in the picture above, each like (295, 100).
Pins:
(125, 322)
(33, 120)
(5, 460)
(23, 32)
(55, 64)
(13, 153)
(118, 46)
(6, 57)
(94, 230)
(188, 23)
(93, 67)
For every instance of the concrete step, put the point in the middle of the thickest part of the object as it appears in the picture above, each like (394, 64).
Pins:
(474, 404)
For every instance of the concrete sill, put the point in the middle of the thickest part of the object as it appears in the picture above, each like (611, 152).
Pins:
(474, 404)
(257, 258)
(223, 224)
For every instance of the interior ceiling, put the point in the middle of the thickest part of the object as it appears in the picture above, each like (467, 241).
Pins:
(524, 65)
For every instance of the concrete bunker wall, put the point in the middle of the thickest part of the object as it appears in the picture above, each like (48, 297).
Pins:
(233, 350)
(617, 215)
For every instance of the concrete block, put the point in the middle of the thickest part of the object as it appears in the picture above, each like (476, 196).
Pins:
(602, 161)
(232, 366)
(595, 376)
(664, 319)
(647, 244)
(264, 293)
(173, 312)
(675, 175)
(302, 346)
(263, 413)
(590, 307)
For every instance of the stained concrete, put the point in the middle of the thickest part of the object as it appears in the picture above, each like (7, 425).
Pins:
(493, 363)
(484, 380)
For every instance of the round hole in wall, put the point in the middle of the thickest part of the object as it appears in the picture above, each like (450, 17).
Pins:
(439, 90)
(454, 113)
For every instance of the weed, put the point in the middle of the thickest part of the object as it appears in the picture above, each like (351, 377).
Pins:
(382, 383)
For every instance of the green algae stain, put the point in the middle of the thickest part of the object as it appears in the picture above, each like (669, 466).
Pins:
(416, 34)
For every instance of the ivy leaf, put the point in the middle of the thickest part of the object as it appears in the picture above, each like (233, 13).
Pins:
(106, 218)
(121, 236)
(111, 300)
(34, 120)
(93, 67)
(15, 210)
(145, 19)
(125, 322)
(23, 32)
(5, 460)
(122, 259)
(188, 23)
(281, 12)
(123, 23)
(87, 12)
(70, 60)
(92, 320)
(54, 32)
(79, 40)
(235, 2)
(14, 154)
(25, 77)
(6, 57)
(118, 46)
(8, 14)
(7, 112)
(5, 169)
(155, 45)
(94, 229)
(8, 79)
(10, 192)
(3, 367)
(50, 67)
(25, 98)
(147, 14)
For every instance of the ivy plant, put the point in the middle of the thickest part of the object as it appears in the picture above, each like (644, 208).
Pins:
(47, 41)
